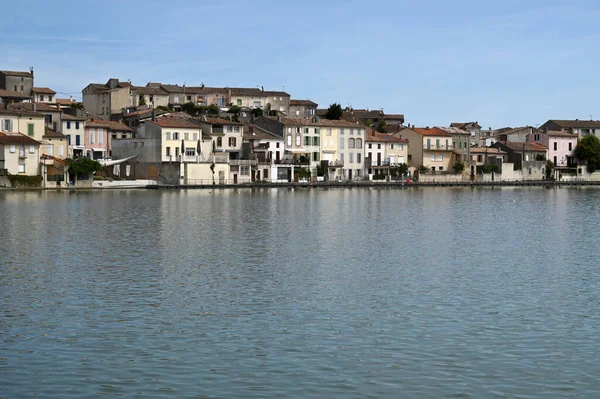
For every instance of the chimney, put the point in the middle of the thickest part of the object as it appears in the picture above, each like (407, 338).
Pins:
(202, 85)
(34, 107)
(262, 88)
(153, 115)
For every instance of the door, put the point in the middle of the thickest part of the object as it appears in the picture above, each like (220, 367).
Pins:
(235, 178)
(350, 174)
(378, 159)
(277, 156)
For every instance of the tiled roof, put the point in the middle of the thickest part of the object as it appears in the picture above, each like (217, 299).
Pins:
(486, 150)
(69, 117)
(514, 130)
(317, 122)
(16, 94)
(525, 146)
(391, 139)
(252, 132)
(148, 90)
(145, 113)
(19, 112)
(17, 73)
(366, 114)
(17, 138)
(393, 116)
(65, 101)
(204, 90)
(252, 92)
(276, 93)
(576, 123)
(111, 125)
(43, 90)
(432, 131)
(560, 133)
(53, 134)
(29, 107)
(453, 130)
(219, 121)
(303, 102)
(170, 121)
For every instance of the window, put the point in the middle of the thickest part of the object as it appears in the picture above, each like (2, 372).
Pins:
(328, 132)
(358, 143)
(69, 139)
(236, 129)
(358, 157)
(41, 97)
(76, 125)
(77, 139)
(391, 146)
(315, 156)
(31, 149)
(186, 136)
(151, 98)
(437, 143)
(245, 170)
(570, 146)
(61, 150)
(370, 145)
(341, 143)
(176, 151)
(30, 129)
(219, 141)
(100, 136)
(409, 157)
(168, 151)
(190, 152)
(555, 146)
(315, 140)
(305, 130)
(479, 158)
(433, 157)
(440, 158)
(351, 156)
(91, 133)
(289, 141)
(168, 136)
(306, 140)
(175, 135)
(239, 101)
(12, 148)
(350, 143)
(21, 168)
(68, 124)
(555, 160)
(379, 146)
(50, 98)
(277, 145)
(114, 136)
(441, 168)
(298, 140)
(7, 125)
(401, 147)
(229, 128)
(232, 142)
(342, 131)
(342, 158)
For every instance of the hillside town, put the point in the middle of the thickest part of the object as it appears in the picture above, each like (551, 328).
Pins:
(173, 134)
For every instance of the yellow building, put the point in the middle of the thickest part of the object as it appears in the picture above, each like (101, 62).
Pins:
(429, 147)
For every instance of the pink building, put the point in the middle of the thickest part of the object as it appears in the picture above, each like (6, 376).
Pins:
(99, 135)
(560, 147)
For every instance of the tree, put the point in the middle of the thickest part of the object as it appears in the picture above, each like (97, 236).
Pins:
(142, 100)
(82, 166)
(212, 109)
(234, 109)
(458, 167)
(257, 112)
(549, 168)
(588, 151)
(399, 170)
(189, 108)
(334, 111)
(76, 106)
(368, 123)
(490, 168)
(381, 126)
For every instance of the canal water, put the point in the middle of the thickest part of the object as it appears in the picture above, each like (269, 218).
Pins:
(282, 293)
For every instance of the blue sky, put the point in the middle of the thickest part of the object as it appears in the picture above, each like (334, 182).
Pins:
(502, 63)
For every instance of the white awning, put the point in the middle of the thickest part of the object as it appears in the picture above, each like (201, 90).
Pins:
(112, 162)
(298, 150)
(97, 149)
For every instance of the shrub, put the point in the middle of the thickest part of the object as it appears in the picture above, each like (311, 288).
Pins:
(18, 181)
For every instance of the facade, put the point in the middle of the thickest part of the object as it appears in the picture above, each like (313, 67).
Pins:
(521, 154)
(152, 96)
(99, 135)
(17, 81)
(267, 149)
(383, 152)
(560, 146)
(302, 109)
(73, 127)
(429, 147)
(52, 113)
(474, 131)
(516, 135)
(277, 101)
(103, 100)
(44, 95)
(461, 143)
(579, 127)
(29, 123)
(19, 154)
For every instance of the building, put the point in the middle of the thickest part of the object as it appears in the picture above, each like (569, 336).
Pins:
(268, 150)
(73, 127)
(430, 148)
(302, 109)
(461, 143)
(18, 82)
(486, 156)
(516, 135)
(151, 96)
(106, 99)
(226, 136)
(384, 152)
(473, 128)
(27, 122)
(581, 128)
(19, 154)
(561, 145)
(99, 135)
(44, 95)
(52, 113)
(269, 101)
(525, 155)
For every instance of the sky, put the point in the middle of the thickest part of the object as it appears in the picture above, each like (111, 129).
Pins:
(501, 63)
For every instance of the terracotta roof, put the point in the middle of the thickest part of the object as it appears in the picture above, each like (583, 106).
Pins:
(462, 125)
(453, 130)
(276, 93)
(576, 123)
(65, 101)
(486, 150)
(204, 90)
(39, 107)
(392, 139)
(394, 116)
(17, 138)
(148, 90)
(10, 93)
(69, 117)
(20, 112)
(145, 113)
(303, 102)
(560, 133)
(219, 121)
(252, 132)
(432, 131)
(43, 90)
(525, 146)
(170, 121)
(111, 125)
(241, 91)
(53, 134)
(514, 130)
(17, 73)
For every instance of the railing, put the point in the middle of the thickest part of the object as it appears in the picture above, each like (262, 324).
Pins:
(199, 158)
(292, 162)
(242, 162)
(441, 147)
(22, 154)
(336, 163)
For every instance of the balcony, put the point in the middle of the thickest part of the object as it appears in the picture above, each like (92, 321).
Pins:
(236, 162)
(441, 147)
(22, 154)
(336, 164)
(289, 161)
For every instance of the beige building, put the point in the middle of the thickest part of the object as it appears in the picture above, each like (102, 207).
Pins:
(103, 100)
(44, 95)
(19, 154)
(152, 96)
(429, 147)
(384, 152)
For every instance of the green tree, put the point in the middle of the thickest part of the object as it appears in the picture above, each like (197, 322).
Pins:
(490, 168)
(76, 106)
(334, 111)
(458, 167)
(234, 109)
(189, 108)
(588, 151)
(257, 112)
(381, 126)
(142, 100)
(399, 170)
(368, 123)
(212, 109)
(549, 169)
(82, 166)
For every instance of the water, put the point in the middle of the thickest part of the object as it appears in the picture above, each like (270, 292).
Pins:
(354, 293)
